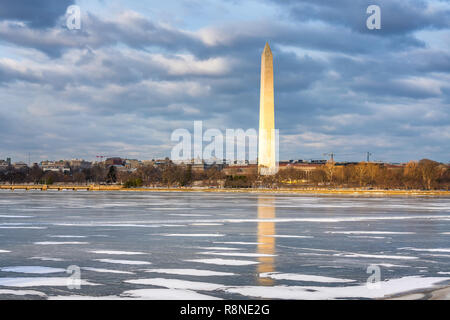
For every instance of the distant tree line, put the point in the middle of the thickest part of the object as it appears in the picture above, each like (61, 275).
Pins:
(423, 174)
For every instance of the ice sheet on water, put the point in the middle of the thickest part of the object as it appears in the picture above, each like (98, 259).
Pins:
(224, 262)
(238, 242)
(288, 236)
(46, 259)
(130, 262)
(51, 243)
(220, 248)
(302, 277)
(444, 250)
(106, 270)
(193, 235)
(33, 269)
(40, 281)
(374, 256)
(387, 288)
(238, 254)
(369, 232)
(64, 236)
(166, 294)
(191, 272)
(177, 284)
(116, 252)
(22, 293)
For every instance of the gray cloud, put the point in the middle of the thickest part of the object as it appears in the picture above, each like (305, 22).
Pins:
(120, 85)
(37, 14)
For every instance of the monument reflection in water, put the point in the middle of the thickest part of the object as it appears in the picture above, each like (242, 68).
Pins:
(266, 237)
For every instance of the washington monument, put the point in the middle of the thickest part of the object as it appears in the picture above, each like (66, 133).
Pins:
(267, 144)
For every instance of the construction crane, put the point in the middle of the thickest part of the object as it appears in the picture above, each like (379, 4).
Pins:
(331, 155)
(101, 158)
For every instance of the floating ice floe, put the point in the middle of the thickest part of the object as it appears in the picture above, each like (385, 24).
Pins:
(443, 250)
(189, 215)
(206, 224)
(288, 236)
(51, 243)
(224, 262)
(219, 248)
(63, 236)
(386, 288)
(4, 251)
(238, 242)
(390, 265)
(40, 282)
(130, 262)
(33, 269)
(22, 227)
(302, 277)
(191, 272)
(22, 293)
(106, 270)
(46, 259)
(116, 252)
(374, 256)
(166, 294)
(193, 235)
(14, 216)
(238, 254)
(178, 284)
(368, 232)
(77, 297)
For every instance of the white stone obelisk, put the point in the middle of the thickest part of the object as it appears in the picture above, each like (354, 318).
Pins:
(267, 137)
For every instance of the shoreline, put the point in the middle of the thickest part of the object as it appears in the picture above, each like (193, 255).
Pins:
(317, 191)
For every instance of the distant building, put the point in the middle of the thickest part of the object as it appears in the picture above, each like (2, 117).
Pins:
(79, 164)
(4, 165)
(55, 166)
(114, 161)
(132, 164)
(20, 165)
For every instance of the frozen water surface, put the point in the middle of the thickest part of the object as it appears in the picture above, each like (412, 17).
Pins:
(219, 245)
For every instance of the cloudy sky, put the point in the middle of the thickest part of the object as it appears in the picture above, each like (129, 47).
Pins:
(137, 70)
